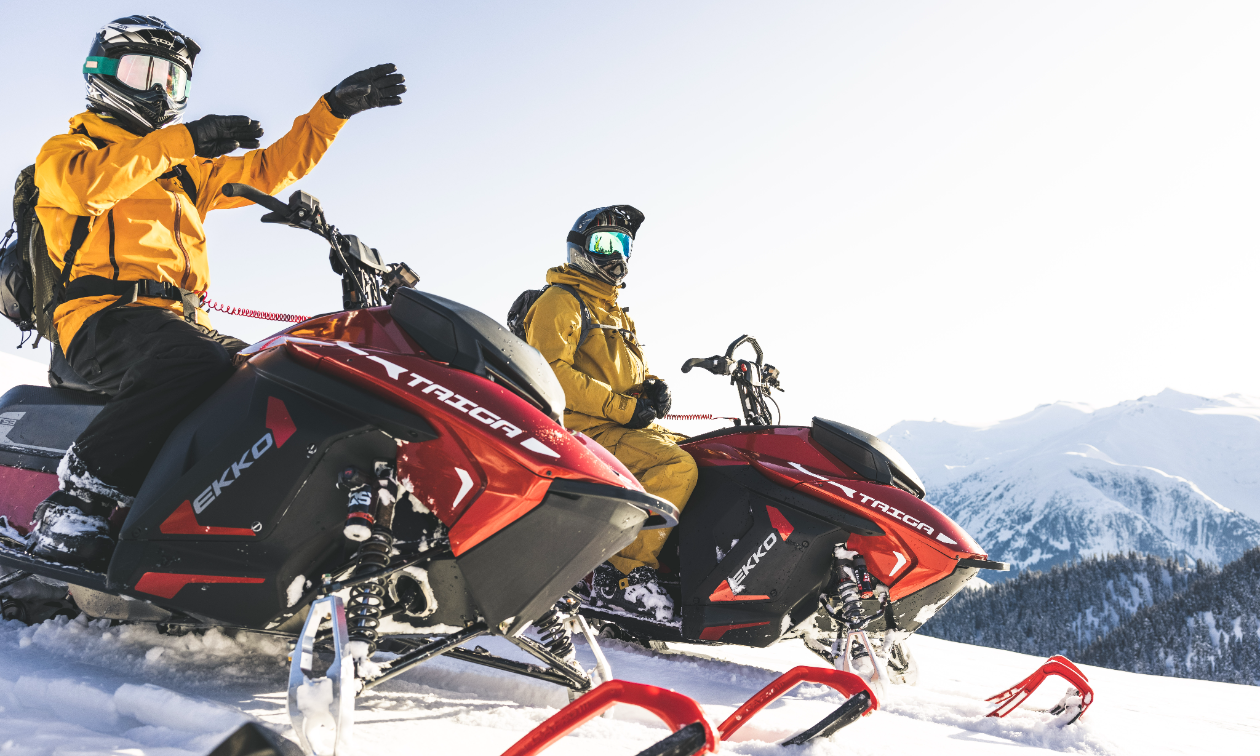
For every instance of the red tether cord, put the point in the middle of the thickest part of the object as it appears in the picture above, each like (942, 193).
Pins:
(247, 313)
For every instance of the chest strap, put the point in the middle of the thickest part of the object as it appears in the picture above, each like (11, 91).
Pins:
(129, 291)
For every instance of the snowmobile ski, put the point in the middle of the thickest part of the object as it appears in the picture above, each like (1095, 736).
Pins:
(1077, 699)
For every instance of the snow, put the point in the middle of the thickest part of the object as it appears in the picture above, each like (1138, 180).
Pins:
(71, 686)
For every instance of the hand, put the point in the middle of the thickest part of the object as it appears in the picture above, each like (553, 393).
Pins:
(644, 414)
(216, 135)
(657, 393)
(374, 87)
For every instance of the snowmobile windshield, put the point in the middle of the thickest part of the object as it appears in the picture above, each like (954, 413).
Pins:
(609, 243)
(143, 72)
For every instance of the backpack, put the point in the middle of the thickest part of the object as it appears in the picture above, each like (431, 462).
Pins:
(31, 285)
(521, 307)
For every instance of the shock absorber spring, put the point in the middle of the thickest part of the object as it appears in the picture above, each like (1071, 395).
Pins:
(552, 632)
(367, 599)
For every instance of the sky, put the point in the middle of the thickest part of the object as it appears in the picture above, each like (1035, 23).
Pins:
(922, 210)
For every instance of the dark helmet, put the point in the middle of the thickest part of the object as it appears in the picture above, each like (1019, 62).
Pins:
(599, 244)
(139, 70)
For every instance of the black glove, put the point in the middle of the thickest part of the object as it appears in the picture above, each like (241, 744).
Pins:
(657, 393)
(216, 135)
(374, 87)
(644, 414)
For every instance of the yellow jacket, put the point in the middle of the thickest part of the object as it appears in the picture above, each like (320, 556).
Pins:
(144, 225)
(598, 376)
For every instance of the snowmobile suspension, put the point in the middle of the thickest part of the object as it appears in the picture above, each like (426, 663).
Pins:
(552, 631)
(367, 598)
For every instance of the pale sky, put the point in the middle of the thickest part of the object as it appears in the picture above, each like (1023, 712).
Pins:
(953, 210)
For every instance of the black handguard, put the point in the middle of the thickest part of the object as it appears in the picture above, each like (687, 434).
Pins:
(657, 393)
(216, 135)
(644, 414)
(375, 87)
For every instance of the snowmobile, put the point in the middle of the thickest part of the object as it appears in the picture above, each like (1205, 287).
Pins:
(818, 532)
(393, 475)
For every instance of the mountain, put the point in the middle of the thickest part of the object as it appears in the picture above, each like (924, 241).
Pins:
(1172, 475)
(1134, 613)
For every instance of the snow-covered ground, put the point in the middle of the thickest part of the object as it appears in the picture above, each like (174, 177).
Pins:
(70, 687)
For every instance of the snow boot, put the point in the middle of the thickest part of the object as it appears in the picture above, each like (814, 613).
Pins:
(638, 594)
(70, 526)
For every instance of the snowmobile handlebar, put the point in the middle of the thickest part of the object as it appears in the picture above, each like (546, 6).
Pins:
(753, 380)
(746, 339)
(367, 281)
(257, 197)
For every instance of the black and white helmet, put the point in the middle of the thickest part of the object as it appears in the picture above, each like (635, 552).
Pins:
(600, 242)
(139, 70)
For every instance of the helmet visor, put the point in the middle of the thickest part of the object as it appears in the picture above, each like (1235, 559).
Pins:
(143, 72)
(609, 243)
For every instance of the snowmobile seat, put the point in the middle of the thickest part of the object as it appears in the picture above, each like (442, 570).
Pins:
(38, 424)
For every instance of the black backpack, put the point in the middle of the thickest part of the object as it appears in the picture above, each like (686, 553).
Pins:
(521, 307)
(31, 284)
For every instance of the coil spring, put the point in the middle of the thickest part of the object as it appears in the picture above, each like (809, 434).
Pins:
(551, 631)
(850, 612)
(367, 599)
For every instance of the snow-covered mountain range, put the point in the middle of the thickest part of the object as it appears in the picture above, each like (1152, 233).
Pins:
(1172, 474)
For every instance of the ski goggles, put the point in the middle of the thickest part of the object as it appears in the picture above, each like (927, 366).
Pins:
(143, 72)
(610, 243)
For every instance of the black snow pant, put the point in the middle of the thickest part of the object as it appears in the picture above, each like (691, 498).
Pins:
(158, 368)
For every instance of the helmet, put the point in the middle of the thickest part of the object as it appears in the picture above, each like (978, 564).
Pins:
(138, 70)
(599, 244)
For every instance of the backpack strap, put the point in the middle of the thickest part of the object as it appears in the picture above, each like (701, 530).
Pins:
(185, 180)
(587, 324)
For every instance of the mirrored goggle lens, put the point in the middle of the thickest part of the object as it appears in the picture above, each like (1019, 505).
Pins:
(142, 72)
(609, 243)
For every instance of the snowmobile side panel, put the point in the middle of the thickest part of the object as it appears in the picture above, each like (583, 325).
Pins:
(910, 612)
(38, 424)
(754, 556)
(524, 568)
(245, 488)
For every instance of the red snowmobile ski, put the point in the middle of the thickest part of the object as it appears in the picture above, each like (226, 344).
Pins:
(818, 532)
(398, 470)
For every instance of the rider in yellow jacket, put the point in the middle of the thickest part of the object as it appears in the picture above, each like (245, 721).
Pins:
(609, 393)
(122, 198)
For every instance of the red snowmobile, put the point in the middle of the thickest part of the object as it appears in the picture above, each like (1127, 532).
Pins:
(817, 532)
(398, 469)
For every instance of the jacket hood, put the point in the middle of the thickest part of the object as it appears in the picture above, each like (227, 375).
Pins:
(567, 274)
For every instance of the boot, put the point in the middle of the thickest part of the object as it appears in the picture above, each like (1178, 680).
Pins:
(638, 594)
(70, 526)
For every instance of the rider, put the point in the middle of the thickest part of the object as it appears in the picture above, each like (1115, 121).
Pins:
(609, 394)
(122, 198)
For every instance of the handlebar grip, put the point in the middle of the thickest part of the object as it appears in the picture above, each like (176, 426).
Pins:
(253, 195)
(715, 364)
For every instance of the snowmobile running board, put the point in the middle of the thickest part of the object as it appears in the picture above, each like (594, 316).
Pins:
(1077, 699)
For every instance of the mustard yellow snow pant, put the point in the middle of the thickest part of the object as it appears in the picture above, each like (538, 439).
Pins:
(665, 470)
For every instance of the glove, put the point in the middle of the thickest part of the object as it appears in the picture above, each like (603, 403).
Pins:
(657, 393)
(216, 135)
(644, 414)
(374, 87)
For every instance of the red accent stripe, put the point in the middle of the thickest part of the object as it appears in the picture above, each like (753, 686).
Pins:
(183, 521)
(779, 522)
(717, 631)
(278, 421)
(166, 585)
(724, 593)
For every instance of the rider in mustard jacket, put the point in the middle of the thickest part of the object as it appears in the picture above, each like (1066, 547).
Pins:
(609, 393)
(122, 198)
